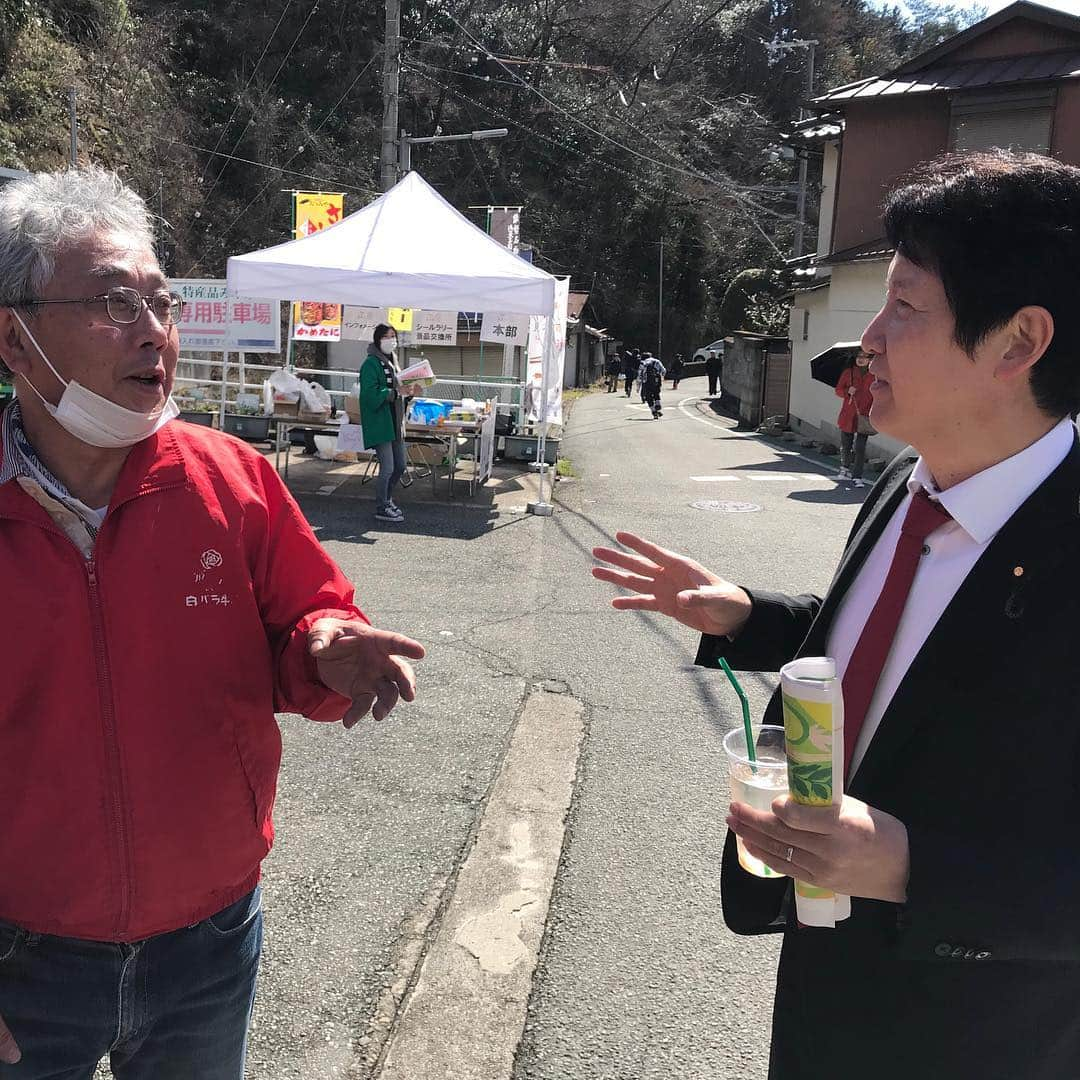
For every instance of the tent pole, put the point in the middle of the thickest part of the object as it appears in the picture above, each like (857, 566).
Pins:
(542, 507)
(292, 304)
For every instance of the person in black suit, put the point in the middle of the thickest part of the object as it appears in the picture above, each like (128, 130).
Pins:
(631, 363)
(714, 363)
(953, 621)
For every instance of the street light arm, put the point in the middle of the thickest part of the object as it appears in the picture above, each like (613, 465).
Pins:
(488, 133)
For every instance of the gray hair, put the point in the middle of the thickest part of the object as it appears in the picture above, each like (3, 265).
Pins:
(41, 215)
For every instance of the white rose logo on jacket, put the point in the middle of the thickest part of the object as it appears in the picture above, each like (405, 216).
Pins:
(208, 591)
(211, 559)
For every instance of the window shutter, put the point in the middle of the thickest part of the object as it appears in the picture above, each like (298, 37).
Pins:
(1016, 129)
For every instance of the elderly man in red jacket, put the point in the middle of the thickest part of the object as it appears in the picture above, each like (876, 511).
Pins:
(136, 807)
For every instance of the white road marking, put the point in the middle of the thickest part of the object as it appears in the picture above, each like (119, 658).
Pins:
(696, 415)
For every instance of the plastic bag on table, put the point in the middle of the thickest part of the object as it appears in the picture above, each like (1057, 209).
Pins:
(281, 388)
(314, 398)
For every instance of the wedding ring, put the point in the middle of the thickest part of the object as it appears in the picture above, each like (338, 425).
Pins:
(790, 852)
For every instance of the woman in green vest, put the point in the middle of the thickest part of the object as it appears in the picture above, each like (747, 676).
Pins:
(382, 416)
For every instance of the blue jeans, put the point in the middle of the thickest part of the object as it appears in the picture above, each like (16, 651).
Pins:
(172, 1007)
(391, 469)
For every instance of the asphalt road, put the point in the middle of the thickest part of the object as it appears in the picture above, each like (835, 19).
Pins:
(639, 978)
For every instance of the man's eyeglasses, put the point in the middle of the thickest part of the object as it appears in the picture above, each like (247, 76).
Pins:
(124, 305)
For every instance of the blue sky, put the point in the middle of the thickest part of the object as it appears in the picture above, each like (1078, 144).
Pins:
(1071, 6)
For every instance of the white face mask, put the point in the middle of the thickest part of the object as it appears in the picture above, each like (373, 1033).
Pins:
(94, 419)
(388, 345)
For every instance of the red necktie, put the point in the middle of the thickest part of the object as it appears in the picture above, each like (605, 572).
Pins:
(872, 649)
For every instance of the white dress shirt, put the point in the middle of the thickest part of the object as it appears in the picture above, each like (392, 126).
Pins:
(979, 506)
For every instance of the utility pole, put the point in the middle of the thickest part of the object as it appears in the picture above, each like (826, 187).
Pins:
(388, 154)
(74, 121)
(660, 313)
(773, 48)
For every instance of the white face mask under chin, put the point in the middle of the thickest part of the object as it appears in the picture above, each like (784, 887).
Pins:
(96, 420)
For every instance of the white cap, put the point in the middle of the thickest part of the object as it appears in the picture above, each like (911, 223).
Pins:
(811, 667)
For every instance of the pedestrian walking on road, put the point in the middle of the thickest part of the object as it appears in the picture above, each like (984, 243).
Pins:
(713, 366)
(382, 418)
(613, 367)
(651, 377)
(631, 363)
(165, 597)
(952, 624)
(854, 423)
(676, 370)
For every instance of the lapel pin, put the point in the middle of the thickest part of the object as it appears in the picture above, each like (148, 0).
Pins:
(1018, 571)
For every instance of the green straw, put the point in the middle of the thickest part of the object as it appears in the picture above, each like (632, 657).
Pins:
(751, 753)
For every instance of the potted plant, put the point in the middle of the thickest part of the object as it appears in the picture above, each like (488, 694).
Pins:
(245, 419)
(196, 411)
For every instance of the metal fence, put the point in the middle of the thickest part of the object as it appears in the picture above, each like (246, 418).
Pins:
(225, 378)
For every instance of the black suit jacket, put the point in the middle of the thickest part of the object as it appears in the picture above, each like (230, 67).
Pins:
(978, 753)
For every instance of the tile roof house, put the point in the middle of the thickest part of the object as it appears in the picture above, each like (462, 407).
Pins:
(1011, 80)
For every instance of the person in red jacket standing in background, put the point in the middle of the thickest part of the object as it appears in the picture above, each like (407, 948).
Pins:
(854, 420)
(137, 805)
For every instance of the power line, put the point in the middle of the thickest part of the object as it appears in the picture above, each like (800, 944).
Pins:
(263, 165)
(738, 203)
(251, 79)
(638, 179)
(589, 158)
(595, 131)
(295, 154)
(262, 100)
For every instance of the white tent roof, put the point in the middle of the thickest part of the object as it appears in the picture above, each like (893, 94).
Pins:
(408, 248)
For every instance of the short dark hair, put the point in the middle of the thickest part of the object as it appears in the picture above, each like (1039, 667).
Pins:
(1002, 231)
(381, 331)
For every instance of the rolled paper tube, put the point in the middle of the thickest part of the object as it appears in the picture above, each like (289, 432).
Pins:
(814, 739)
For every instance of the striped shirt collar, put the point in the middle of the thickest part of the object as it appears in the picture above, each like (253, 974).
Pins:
(21, 461)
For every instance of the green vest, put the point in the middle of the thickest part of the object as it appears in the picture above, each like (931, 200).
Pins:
(376, 403)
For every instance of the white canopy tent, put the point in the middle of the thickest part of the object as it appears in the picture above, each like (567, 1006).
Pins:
(410, 248)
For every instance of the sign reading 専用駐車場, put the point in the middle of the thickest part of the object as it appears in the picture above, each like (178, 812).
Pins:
(215, 322)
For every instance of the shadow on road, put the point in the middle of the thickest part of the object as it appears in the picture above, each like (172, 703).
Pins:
(784, 465)
(353, 520)
(839, 496)
(657, 625)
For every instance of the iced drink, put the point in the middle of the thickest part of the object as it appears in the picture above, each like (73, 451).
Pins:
(757, 783)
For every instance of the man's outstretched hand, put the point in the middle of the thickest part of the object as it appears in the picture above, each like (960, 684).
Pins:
(368, 666)
(674, 585)
(9, 1050)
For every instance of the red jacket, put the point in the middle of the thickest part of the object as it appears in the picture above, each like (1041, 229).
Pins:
(139, 750)
(858, 406)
